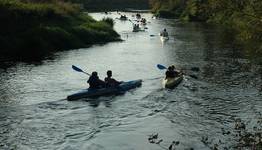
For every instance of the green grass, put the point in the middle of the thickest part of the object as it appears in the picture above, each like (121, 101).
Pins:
(35, 29)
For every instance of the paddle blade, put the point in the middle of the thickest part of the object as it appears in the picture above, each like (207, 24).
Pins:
(77, 69)
(161, 67)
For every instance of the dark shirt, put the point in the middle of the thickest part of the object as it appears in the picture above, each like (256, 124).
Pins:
(95, 83)
(172, 74)
(111, 82)
(164, 34)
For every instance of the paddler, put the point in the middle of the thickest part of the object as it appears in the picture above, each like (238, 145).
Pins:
(175, 71)
(111, 82)
(172, 72)
(164, 33)
(94, 81)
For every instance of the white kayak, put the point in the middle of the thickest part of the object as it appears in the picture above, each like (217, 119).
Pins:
(164, 38)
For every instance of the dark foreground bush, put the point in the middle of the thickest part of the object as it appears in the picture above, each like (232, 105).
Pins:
(30, 29)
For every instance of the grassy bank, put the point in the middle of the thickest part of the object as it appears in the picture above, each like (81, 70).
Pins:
(243, 17)
(34, 29)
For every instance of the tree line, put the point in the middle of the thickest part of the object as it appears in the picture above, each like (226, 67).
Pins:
(103, 5)
(243, 16)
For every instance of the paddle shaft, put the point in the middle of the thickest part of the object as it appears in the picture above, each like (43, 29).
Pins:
(86, 73)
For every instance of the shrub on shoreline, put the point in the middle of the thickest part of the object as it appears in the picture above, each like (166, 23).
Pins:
(30, 29)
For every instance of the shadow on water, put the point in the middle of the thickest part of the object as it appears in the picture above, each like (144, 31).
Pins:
(35, 61)
(95, 102)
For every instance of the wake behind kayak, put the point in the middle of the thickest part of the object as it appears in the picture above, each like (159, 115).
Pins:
(89, 93)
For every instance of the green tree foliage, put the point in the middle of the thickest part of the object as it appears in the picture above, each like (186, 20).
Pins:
(33, 28)
(244, 16)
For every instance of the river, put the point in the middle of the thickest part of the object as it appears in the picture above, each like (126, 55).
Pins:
(34, 112)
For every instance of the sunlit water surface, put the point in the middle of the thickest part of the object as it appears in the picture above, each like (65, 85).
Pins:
(34, 113)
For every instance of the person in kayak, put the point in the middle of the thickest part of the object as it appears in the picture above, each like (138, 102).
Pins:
(111, 82)
(136, 26)
(175, 71)
(123, 17)
(138, 16)
(164, 33)
(143, 20)
(94, 81)
(171, 72)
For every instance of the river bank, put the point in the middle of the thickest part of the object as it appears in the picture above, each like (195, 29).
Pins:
(30, 30)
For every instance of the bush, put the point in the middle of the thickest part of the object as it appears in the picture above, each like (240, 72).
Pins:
(42, 27)
(109, 21)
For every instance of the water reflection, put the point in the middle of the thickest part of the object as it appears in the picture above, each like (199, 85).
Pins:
(95, 102)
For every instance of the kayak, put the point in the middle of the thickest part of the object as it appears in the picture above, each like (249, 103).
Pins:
(123, 18)
(164, 38)
(121, 89)
(137, 29)
(171, 83)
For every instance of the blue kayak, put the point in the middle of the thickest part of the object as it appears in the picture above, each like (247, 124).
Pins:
(122, 88)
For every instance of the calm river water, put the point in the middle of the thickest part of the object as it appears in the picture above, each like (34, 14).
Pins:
(34, 113)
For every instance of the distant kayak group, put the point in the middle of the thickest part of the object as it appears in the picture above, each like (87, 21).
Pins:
(140, 21)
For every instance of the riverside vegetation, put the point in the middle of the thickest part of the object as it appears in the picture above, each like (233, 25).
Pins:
(109, 5)
(242, 17)
(31, 29)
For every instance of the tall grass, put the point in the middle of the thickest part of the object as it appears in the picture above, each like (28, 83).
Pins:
(30, 28)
